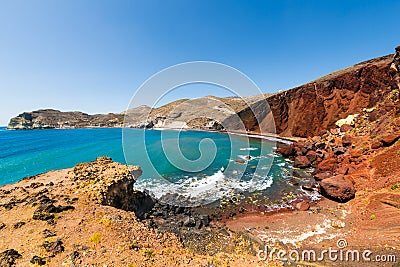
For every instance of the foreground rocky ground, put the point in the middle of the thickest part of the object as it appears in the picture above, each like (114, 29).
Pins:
(75, 217)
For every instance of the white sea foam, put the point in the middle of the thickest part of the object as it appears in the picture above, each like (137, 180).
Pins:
(202, 190)
(249, 148)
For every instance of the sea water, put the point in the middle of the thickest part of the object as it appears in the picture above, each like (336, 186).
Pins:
(30, 152)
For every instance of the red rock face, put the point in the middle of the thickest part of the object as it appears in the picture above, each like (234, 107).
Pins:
(311, 108)
(390, 139)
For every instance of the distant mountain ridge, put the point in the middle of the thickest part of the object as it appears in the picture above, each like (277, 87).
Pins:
(55, 119)
(206, 113)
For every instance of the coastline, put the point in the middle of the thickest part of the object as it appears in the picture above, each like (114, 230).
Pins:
(318, 224)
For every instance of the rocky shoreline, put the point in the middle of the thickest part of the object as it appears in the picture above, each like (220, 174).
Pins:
(100, 194)
(90, 214)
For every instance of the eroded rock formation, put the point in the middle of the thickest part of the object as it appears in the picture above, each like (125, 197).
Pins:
(111, 183)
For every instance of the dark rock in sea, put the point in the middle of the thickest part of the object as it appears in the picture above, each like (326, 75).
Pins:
(38, 260)
(308, 187)
(53, 247)
(240, 161)
(337, 188)
(301, 162)
(18, 225)
(390, 139)
(8, 257)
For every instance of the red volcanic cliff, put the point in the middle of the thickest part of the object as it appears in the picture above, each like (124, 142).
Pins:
(311, 108)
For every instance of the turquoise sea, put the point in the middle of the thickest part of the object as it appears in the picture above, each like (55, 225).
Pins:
(237, 163)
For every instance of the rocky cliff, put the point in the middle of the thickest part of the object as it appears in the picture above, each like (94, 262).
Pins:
(50, 119)
(316, 106)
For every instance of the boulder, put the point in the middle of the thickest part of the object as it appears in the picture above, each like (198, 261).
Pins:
(345, 128)
(337, 188)
(302, 206)
(376, 145)
(312, 156)
(329, 164)
(286, 151)
(355, 153)
(300, 148)
(38, 260)
(301, 162)
(53, 247)
(323, 175)
(18, 225)
(390, 139)
(342, 170)
(347, 140)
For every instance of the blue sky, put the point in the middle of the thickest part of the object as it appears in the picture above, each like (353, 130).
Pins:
(93, 55)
